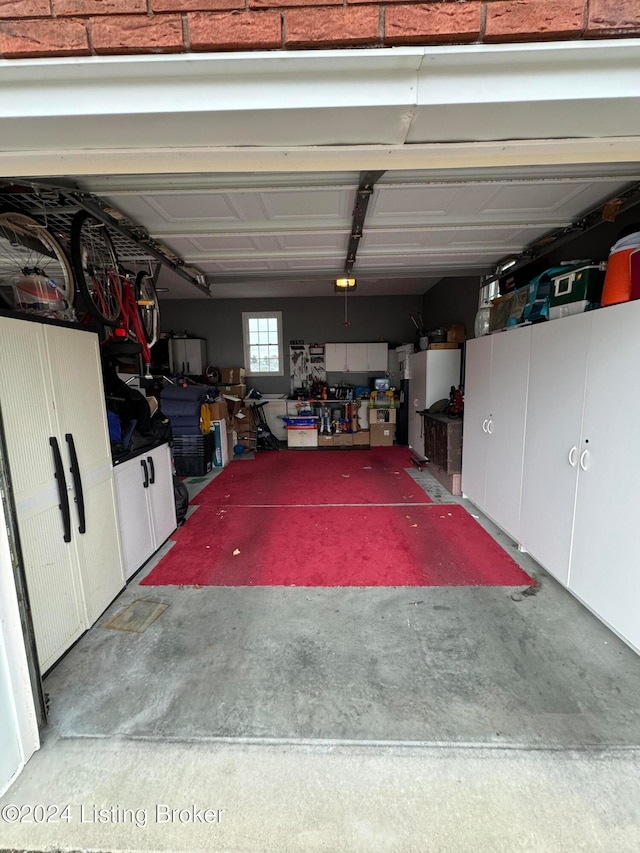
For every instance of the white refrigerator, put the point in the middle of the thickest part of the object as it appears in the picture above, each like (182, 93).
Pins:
(432, 373)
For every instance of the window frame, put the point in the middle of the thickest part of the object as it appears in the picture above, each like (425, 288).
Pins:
(261, 315)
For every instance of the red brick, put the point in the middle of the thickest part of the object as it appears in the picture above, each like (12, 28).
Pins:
(313, 27)
(433, 22)
(137, 34)
(235, 31)
(281, 4)
(19, 39)
(613, 17)
(99, 7)
(197, 5)
(517, 20)
(24, 9)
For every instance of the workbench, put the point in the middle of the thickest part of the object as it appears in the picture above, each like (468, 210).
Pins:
(443, 449)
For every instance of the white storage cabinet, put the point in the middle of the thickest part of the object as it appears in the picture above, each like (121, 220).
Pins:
(188, 355)
(433, 372)
(496, 377)
(146, 506)
(579, 503)
(356, 358)
(53, 409)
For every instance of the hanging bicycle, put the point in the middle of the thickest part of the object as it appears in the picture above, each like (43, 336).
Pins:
(35, 274)
(125, 303)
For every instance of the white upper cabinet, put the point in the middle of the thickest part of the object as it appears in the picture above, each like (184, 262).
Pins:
(356, 358)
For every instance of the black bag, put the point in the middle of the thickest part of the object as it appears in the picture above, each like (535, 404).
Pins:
(181, 498)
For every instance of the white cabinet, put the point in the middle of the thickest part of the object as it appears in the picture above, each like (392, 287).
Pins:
(377, 358)
(146, 506)
(356, 358)
(59, 453)
(557, 378)
(187, 355)
(497, 369)
(579, 503)
(433, 373)
(274, 412)
(605, 556)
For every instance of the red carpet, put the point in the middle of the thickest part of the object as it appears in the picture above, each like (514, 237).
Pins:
(436, 545)
(319, 478)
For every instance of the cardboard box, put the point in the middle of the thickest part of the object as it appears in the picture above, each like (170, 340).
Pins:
(232, 375)
(219, 411)
(343, 439)
(234, 404)
(381, 435)
(239, 391)
(382, 416)
(325, 441)
(455, 334)
(443, 346)
(361, 438)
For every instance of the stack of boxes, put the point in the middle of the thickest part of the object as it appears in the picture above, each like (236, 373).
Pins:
(382, 427)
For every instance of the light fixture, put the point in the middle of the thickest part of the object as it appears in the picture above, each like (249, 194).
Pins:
(344, 284)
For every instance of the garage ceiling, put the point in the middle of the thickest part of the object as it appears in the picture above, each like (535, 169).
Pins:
(281, 234)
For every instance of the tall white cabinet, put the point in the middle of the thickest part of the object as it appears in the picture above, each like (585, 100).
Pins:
(579, 502)
(59, 453)
(433, 372)
(494, 422)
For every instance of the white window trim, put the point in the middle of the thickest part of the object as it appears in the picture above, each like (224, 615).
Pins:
(251, 315)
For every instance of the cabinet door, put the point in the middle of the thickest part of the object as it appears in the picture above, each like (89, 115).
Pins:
(477, 402)
(377, 357)
(76, 378)
(335, 357)
(160, 494)
(443, 371)
(554, 417)
(505, 447)
(357, 358)
(273, 412)
(29, 420)
(177, 355)
(136, 535)
(417, 391)
(195, 356)
(605, 559)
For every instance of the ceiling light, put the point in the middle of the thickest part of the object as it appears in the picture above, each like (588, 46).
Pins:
(344, 284)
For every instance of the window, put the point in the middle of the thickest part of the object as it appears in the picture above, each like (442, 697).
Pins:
(262, 335)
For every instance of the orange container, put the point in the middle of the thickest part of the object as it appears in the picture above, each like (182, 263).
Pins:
(617, 281)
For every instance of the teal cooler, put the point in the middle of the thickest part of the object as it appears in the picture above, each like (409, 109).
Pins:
(575, 289)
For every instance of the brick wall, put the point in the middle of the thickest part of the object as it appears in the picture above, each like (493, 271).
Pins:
(31, 28)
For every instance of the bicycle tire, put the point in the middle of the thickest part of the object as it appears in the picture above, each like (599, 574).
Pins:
(148, 307)
(96, 266)
(27, 248)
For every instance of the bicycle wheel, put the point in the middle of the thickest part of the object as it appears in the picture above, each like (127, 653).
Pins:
(148, 307)
(95, 264)
(33, 266)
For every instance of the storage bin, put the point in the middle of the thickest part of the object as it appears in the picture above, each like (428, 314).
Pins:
(573, 291)
(193, 454)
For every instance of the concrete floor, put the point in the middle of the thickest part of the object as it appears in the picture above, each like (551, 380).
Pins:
(346, 719)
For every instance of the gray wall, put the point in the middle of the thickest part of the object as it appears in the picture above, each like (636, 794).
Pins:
(313, 320)
(452, 300)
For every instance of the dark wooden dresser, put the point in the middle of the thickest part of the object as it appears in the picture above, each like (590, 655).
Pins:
(443, 449)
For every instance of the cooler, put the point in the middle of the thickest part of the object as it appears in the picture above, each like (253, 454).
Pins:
(575, 289)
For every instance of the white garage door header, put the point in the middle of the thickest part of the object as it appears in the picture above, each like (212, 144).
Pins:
(400, 108)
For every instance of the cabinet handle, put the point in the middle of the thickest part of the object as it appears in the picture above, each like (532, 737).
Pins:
(77, 483)
(484, 424)
(152, 479)
(62, 488)
(143, 462)
(572, 458)
(188, 371)
(583, 459)
(489, 425)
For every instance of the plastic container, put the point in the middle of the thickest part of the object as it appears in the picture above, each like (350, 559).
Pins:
(617, 282)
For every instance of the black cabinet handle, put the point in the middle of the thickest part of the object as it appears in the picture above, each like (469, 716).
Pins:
(143, 462)
(62, 488)
(153, 470)
(77, 483)
(188, 371)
